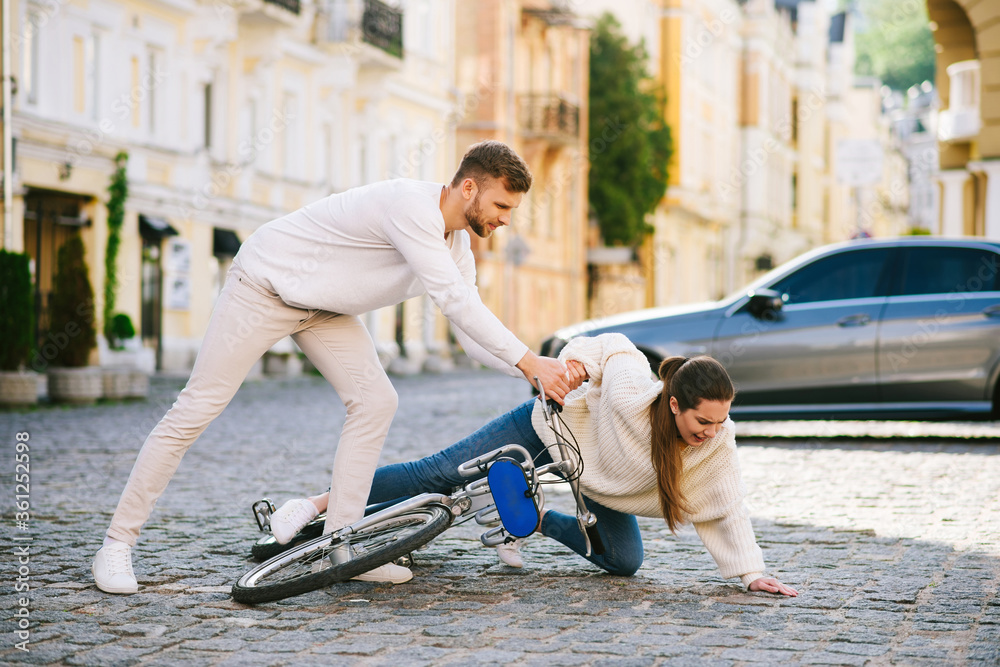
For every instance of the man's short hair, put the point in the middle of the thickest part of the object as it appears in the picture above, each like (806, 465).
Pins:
(493, 159)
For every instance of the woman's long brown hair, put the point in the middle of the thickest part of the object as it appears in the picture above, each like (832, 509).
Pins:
(690, 381)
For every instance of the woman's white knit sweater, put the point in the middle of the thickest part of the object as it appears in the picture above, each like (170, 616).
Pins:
(609, 415)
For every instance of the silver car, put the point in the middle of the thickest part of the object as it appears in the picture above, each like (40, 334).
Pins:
(902, 327)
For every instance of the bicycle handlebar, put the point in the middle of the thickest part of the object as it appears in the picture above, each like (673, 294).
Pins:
(585, 518)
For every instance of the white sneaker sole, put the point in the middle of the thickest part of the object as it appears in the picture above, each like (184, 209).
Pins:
(110, 589)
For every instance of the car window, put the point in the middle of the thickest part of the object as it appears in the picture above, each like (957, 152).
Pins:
(947, 270)
(847, 275)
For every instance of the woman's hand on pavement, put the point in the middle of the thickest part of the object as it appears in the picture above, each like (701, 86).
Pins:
(772, 585)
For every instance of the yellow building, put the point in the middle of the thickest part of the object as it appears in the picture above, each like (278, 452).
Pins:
(764, 185)
(699, 65)
(759, 95)
(232, 114)
(966, 33)
(522, 72)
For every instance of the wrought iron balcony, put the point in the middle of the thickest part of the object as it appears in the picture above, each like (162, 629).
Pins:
(294, 6)
(382, 26)
(366, 22)
(550, 116)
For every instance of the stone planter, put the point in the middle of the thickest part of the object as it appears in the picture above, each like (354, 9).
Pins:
(18, 388)
(115, 383)
(138, 384)
(80, 386)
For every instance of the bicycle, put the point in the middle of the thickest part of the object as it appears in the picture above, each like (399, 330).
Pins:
(510, 492)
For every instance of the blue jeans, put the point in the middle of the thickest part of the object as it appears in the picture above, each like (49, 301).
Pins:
(438, 473)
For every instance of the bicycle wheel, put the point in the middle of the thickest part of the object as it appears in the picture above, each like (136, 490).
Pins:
(267, 547)
(297, 570)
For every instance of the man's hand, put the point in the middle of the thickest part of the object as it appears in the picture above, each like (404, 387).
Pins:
(772, 585)
(550, 371)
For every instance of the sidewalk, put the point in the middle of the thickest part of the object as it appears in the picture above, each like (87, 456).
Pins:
(871, 429)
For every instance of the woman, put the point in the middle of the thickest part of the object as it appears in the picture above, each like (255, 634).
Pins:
(651, 448)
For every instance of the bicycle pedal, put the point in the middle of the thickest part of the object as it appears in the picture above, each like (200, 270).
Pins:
(262, 510)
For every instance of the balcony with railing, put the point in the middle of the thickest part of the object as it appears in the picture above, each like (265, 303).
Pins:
(282, 13)
(373, 25)
(961, 120)
(549, 116)
(294, 6)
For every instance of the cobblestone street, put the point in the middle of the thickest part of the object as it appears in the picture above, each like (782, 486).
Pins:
(893, 544)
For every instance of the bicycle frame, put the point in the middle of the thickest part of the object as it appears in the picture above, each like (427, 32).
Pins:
(476, 497)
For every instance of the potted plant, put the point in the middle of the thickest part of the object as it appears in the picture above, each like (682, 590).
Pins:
(18, 385)
(71, 336)
(122, 378)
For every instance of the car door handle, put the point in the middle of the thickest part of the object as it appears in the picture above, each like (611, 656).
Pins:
(858, 320)
(992, 311)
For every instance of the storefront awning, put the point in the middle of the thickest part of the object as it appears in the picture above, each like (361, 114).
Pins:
(225, 243)
(155, 227)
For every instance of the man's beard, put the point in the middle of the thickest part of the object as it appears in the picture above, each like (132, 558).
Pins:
(474, 216)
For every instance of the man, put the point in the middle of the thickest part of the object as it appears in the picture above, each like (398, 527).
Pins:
(310, 274)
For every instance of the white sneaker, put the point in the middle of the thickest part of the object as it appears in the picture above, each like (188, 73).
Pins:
(112, 569)
(389, 572)
(291, 518)
(510, 553)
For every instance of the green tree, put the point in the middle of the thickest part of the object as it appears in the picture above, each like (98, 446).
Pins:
(630, 144)
(116, 217)
(894, 42)
(17, 315)
(71, 307)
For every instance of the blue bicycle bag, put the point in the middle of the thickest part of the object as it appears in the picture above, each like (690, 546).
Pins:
(512, 495)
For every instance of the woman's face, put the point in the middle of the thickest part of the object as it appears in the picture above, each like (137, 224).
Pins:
(700, 423)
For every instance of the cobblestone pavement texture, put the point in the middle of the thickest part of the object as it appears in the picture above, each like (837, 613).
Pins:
(893, 545)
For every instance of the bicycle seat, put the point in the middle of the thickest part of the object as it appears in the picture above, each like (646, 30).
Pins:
(513, 497)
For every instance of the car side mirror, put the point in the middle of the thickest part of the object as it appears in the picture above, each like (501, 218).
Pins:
(764, 301)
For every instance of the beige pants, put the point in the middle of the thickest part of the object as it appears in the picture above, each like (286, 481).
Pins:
(246, 322)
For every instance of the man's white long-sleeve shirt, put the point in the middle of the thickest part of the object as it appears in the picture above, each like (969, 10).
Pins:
(377, 246)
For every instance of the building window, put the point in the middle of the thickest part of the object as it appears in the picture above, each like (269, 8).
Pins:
(79, 68)
(155, 59)
(207, 119)
(31, 55)
(248, 133)
(795, 121)
(362, 160)
(136, 81)
(293, 166)
(326, 155)
(93, 57)
(85, 80)
(795, 193)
